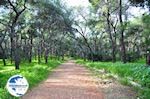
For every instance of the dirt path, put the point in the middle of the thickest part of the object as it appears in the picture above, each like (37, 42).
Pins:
(69, 81)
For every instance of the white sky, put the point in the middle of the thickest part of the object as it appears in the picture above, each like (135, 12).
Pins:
(77, 2)
(136, 11)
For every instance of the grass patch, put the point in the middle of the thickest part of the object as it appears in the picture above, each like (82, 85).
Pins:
(28, 70)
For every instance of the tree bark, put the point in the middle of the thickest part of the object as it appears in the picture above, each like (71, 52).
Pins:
(30, 52)
(11, 52)
(39, 55)
(4, 55)
(148, 59)
(123, 50)
(14, 44)
(111, 37)
(46, 55)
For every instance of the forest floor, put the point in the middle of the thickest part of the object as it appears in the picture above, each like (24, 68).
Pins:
(73, 81)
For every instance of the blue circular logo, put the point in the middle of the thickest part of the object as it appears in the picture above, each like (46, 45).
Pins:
(17, 85)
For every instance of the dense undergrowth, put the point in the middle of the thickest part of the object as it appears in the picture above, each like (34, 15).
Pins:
(137, 72)
(33, 72)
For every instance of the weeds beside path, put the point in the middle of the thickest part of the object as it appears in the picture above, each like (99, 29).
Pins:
(111, 88)
(110, 84)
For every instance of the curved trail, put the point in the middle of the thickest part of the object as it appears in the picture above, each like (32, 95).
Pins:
(68, 81)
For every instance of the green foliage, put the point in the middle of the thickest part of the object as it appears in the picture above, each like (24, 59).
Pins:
(144, 94)
(141, 60)
(146, 26)
(94, 2)
(141, 74)
(29, 71)
(136, 71)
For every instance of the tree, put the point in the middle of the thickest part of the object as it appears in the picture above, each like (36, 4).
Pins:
(146, 34)
(122, 28)
(106, 9)
(13, 34)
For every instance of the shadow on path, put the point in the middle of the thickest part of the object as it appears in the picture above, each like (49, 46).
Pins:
(68, 81)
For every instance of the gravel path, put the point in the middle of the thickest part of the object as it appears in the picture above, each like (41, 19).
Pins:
(68, 81)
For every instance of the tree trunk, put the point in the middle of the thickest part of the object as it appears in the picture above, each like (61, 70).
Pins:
(30, 52)
(35, 53)
(46, 59)
(17, 60)
(14, 47)
(148, 59)
(123, 50)
(16, 52)
(11, 52)
(46, 55)
(4, 55)
(39, 55)
(111, 37)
